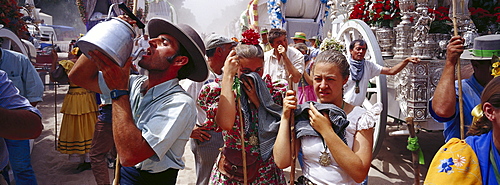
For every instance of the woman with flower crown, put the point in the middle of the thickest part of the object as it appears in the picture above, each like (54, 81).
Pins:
(247, 107)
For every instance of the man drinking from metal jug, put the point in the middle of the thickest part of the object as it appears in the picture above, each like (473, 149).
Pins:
(152, 115)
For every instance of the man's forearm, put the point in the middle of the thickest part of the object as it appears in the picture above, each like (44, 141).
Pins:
(19, 124)
(290, 68)
(397, 68)
(85, 74)
(444, 100)
(130, 144)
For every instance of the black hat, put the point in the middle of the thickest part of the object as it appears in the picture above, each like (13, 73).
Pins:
(188, 38)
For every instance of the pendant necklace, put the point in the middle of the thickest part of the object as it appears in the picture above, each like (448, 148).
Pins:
(356, 90)
(324, 158)
(253, 140)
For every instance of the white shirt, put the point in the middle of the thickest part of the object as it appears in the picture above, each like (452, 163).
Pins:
(371, 70)
(144, 43)
(276, 69)
(193, 89)
(312, 146)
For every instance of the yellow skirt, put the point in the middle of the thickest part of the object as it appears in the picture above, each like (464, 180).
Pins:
(77, 127)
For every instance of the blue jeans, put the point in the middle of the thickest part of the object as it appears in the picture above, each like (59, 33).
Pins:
(133, 176)
(20, 161)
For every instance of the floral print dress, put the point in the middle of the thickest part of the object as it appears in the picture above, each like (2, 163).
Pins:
(208, 100)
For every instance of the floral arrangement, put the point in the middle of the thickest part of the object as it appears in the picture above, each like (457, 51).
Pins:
(81, 8)
(361, 11)
(486, 21)
(11, 18)
(442, 23)
(250, 37)
(380, 13)
(331, 43)
(385, 13)
(275, 14)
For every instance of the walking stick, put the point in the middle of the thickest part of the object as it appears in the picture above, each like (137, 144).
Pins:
(55, 114)
(292, 138)
(242, 140)
(459, 76)
(414, 153)
(116, 181)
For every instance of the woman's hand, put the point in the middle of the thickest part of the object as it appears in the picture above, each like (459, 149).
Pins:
(231, 65)
(249, 88)
(320, 122)
(116, 77)
(289, 103)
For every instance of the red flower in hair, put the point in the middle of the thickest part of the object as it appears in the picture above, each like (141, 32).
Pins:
(250, 37)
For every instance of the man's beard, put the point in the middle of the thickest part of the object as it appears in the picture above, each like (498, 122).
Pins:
(169, 59)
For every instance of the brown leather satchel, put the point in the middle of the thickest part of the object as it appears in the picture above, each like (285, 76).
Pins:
(231, 165)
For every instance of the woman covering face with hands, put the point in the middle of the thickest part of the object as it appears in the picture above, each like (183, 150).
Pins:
(335, 138)
(243, 71)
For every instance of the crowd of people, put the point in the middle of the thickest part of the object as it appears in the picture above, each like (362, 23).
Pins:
(235, 102)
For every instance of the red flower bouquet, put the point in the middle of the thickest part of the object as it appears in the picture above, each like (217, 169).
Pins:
(381, 13)
(361, 11)
(10, 17)
(250, 37)
(486, 21)
(442, 23)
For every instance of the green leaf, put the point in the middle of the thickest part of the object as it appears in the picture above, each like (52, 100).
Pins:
(237, 86)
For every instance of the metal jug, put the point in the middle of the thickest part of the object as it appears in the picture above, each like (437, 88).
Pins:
(113, 37)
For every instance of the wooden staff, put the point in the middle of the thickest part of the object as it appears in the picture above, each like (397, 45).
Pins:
(242, 140)
(414, 154)
(116, 181)
(55, 113)
(292, 138)
(459, 76)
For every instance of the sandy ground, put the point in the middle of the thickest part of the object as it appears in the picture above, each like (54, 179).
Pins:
(391, 166)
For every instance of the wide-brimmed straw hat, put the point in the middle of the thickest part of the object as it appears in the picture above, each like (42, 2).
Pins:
(188, 38)
(299, 35)
(483, 49)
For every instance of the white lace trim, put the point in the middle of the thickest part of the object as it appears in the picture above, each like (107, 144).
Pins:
(370, 117)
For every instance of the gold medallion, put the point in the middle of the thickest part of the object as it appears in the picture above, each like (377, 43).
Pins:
(253, 140)
(356, 90)
(324, 159)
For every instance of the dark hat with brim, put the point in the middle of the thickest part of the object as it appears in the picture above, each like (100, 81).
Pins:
(484, 48)
(188, 38)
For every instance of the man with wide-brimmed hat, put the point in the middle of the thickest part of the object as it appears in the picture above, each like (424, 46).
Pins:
(152, 115)
(264, 41)
(299, 37)
(206, 138)
(443, 107)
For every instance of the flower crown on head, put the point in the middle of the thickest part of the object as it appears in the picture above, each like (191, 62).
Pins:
(250, 37)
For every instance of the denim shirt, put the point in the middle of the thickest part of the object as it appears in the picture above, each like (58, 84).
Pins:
(166, 115)
(22, 73)
(10, 99)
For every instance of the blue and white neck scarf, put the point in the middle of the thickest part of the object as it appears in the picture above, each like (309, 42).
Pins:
(357, 68)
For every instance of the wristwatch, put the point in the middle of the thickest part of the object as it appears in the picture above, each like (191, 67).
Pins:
(115, 94)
